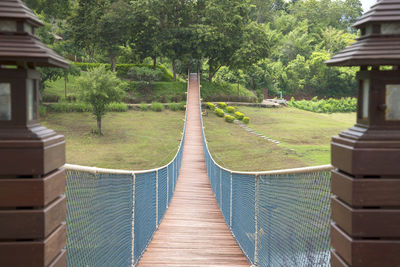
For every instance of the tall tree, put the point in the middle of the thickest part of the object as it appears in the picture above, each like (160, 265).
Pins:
(113, 29)
(84, 25)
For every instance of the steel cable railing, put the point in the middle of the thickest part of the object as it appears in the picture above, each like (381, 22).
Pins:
(112, 214)
(278, 218)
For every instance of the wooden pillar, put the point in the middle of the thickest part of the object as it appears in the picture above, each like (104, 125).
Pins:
(32, 182)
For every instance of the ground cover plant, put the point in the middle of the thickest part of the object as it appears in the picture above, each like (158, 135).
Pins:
(331, 105)
(132, 140)
(305, 138)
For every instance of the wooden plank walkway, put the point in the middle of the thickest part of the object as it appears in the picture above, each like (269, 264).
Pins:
(193, 231)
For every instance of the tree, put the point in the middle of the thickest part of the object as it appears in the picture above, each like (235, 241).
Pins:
(113, 29)
(84, 25)
(99, 88)
(54, 9)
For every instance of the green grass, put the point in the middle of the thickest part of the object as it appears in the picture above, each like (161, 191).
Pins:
(305, 138)
(225, 92)
(133, 140)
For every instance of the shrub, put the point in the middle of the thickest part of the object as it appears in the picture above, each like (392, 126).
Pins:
(144, 74)
(219, 112)
(325, 105)
(246, 120)
(123, 69)
(173, 106)
(50, 97)
(143, 106)
(222, 105)
(229, 118)
(182, 105)
(117, 107)
(239, 115)
(42, 111)
(211, 106)
(156, 106)
(230, 109)
(64, 107)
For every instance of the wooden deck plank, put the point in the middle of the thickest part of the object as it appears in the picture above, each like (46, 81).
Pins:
(193, 231)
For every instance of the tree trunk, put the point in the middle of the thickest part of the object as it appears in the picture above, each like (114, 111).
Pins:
(210, 72)
(174, 68)
(99, 126)
(65, 85)
(113, 61)
(154, 63)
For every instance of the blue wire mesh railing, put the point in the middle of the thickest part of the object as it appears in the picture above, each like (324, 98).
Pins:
(278, 218)
(112, 214)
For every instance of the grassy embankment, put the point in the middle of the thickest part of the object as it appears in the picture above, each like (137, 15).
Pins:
(132, 140)
(304, 136)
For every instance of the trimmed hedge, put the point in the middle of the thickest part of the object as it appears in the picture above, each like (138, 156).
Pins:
(123, 69)
(229, 118)
(84, 107)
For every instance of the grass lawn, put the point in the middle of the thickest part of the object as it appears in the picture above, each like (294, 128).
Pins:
(304, 136)
(133, 140)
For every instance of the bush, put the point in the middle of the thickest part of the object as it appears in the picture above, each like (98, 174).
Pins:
(219, 112)
(50, 97)
(246, 120)
(144, 74)
(156, 106)
(229, 118)
(330, 105)
(123, 69)
(230, 109)
(117, 107)
(211, 106)
(173, 106)
(42, 111)
(143, 106)
(239, 115)
(182, 105)
(64, 107)
(222, 105)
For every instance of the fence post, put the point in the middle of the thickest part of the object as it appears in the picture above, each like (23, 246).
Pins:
(157, 199)
(220, 188)
(167, 186)
(133, 220)
(230, 204)
(256, 220)
(173, 177)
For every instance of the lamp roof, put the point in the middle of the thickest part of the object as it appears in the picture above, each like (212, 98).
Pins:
(380, 43)
(27, 48)
(19, 46)
(16, 10)
(382, 11)
(368, 52)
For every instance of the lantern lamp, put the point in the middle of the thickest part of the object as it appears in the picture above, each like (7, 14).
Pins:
(32, 180)
(366, 182)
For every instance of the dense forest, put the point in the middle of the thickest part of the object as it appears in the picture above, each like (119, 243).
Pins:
(271, 44)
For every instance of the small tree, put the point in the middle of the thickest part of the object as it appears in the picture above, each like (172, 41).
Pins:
(99, 88)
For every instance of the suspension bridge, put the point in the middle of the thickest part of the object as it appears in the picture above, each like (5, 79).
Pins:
(193, 212)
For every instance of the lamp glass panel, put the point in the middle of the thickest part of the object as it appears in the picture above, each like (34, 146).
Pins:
(28, 28)
(393, 102)
(31, 99)
(5, 101)
(390, 28)
(365, 100)
(8, 26)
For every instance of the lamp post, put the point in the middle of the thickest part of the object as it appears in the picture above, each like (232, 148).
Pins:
(32, 181)
(366, 182)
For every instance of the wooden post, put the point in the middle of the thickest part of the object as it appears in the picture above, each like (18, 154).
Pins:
(32, 181)
(365, 229)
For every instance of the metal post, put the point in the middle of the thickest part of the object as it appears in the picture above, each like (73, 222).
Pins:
(256, 221)
(220, 189)
(133, 220)
(167, 186)
(230, 202)
(157, 199)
